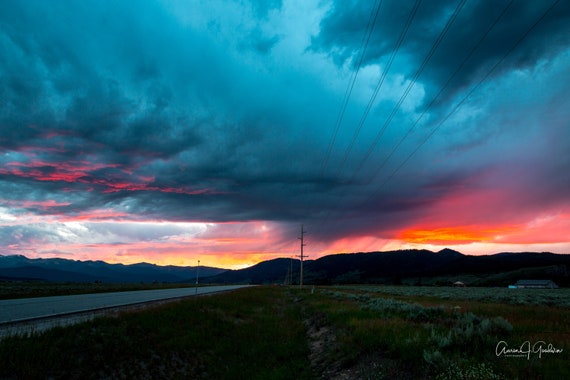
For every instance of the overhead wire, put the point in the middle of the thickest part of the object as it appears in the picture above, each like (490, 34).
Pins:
(442, 89)
(421, 68)
(397, 46)
(411, 84)
(385, 71)
(462, 101)
(348, 92)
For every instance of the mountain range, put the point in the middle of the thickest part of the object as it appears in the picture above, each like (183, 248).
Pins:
(17, 267)
(390, 267)
(408, 266)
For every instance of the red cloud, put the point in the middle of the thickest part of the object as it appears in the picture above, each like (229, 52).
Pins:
(44, 205)
(95, 215)
(80, 172)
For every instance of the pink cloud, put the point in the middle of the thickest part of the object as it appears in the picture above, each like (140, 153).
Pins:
(44, 205)
(81, 172)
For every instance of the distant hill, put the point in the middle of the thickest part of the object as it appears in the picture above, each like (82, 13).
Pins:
(409, 266)
(64, 270)
(266, 272)
(391, 267)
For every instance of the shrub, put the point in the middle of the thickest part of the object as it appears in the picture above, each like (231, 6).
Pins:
(479, 371)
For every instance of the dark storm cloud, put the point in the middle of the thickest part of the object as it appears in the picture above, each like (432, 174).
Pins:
(342, 31)
(105, 76)
(341, 35)
(223, 111)
(135, 103)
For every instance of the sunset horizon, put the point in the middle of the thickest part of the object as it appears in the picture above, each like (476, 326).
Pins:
(242, 258)
(169, 132)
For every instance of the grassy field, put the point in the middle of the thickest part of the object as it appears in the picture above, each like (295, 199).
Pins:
(358, 332)
(26, 289)
(249, 334)
(451, 333)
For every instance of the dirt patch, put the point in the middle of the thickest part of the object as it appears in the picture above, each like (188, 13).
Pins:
(376, 366)
(328, 361)
(323, 346)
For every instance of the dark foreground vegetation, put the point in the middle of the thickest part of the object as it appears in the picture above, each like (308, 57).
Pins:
(402, 332)
(404, 267)
(275, 332)
(27, 289)
(254, 334)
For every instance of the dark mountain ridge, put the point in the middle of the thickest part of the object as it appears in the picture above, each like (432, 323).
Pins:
(65, 270)
(389, 267)
(392, 267)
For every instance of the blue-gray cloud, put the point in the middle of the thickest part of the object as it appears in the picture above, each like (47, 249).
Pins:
(191, 111)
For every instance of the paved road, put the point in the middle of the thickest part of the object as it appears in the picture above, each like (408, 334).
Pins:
(25, 309)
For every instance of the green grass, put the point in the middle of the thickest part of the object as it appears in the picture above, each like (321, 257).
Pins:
(27, 289)
(499, 295)
(371, 332)
(252, 333)
(410, 332)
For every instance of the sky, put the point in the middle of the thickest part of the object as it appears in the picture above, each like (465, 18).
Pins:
(173, 132)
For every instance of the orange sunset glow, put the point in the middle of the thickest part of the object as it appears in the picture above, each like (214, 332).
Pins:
(212, 132)
(454, 235)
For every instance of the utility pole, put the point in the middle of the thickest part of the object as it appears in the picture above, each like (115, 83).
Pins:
(303, 232)
(291, 271)
(197, 269)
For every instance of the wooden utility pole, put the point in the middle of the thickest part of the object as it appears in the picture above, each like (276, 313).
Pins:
(291, 271)
(197, 268)
(302, 256)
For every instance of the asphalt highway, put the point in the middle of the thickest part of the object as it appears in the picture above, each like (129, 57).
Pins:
(35, 310)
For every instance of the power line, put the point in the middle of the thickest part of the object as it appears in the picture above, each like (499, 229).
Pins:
(434, 47)
(364, 45)
(380, 83)
(458, 105)
(473, 89)
(426, 59)
(303, 232)
(448, 81)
